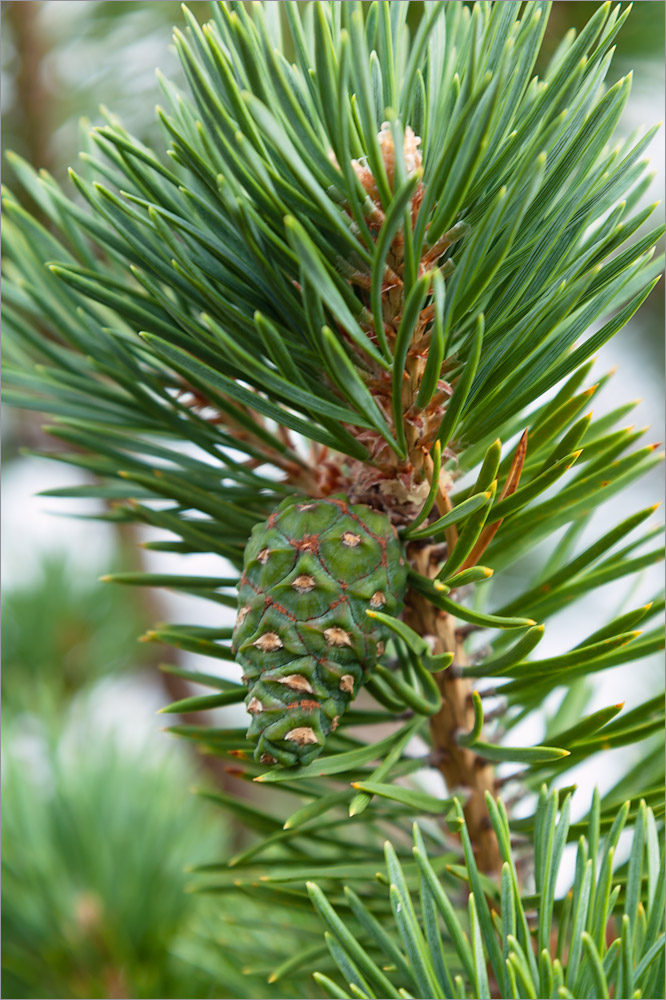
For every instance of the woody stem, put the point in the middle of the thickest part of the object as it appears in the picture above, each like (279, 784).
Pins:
(462, 769)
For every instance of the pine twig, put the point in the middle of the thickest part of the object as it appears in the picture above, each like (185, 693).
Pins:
(459, 765)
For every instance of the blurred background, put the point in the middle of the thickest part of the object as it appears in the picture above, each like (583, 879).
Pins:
(99, 823)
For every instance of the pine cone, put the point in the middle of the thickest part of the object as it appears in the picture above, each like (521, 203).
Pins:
(302, 635)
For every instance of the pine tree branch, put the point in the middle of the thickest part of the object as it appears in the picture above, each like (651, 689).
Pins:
(461, 768)
(289, 265)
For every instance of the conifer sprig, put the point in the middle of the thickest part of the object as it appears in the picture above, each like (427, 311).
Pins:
(374, 261)
(609, 943)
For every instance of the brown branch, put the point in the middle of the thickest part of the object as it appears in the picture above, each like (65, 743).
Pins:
(34, 104)
(462, 770)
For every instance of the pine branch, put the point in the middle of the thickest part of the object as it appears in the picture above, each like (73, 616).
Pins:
(361, 275)
(461, 767)
(515, 951)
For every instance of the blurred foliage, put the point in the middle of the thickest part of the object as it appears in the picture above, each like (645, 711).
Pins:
(61, 633)
(639, 48)
(641, 37)
(94, 844)
(254, 949)
(62, 60)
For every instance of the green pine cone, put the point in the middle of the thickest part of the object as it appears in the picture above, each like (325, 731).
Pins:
(302, 635)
